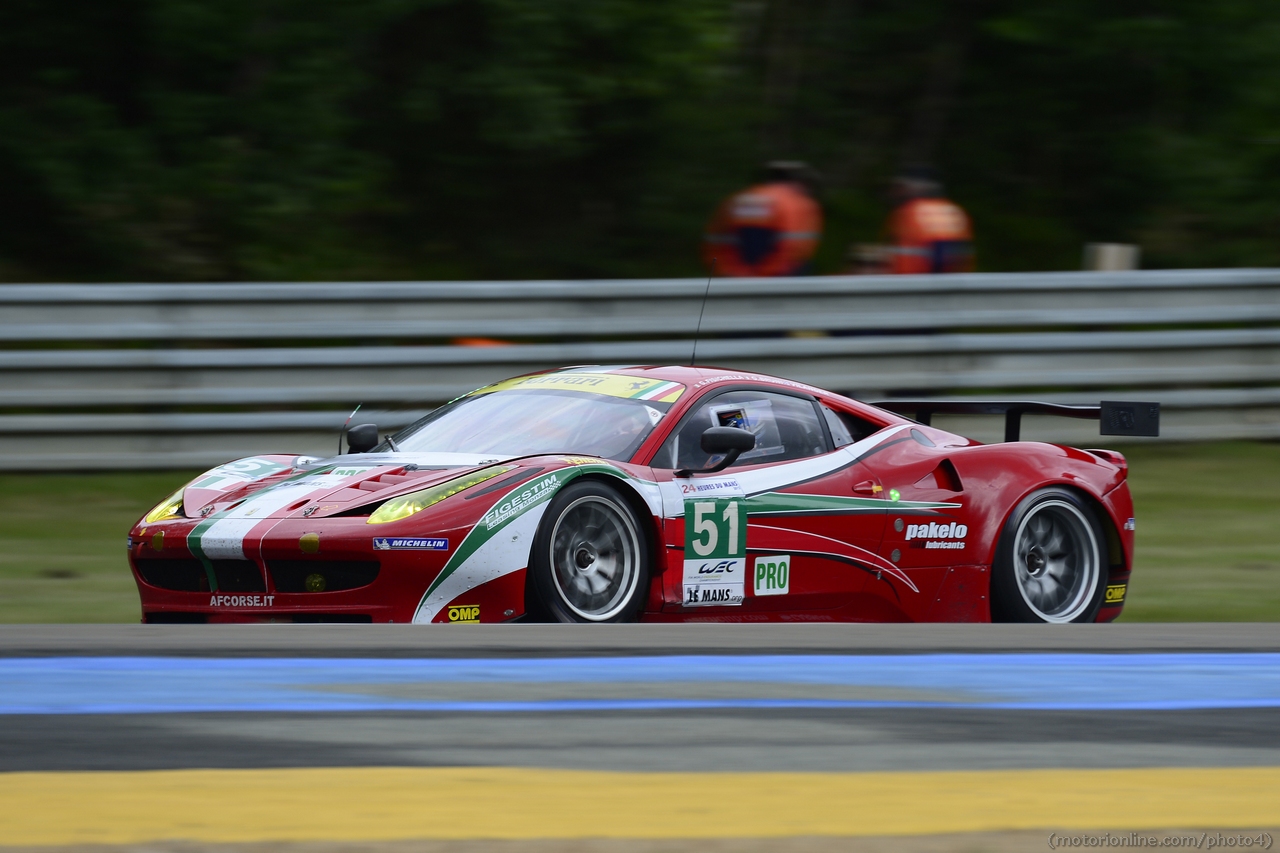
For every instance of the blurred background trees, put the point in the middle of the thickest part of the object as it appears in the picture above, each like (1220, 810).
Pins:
(236, 140)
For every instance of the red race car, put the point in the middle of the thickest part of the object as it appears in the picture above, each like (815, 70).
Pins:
(614, 494)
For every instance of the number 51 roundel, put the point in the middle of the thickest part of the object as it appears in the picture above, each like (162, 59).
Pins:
(715, 551)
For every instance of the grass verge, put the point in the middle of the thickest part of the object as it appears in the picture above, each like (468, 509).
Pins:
(62, 543)
(1208, 537)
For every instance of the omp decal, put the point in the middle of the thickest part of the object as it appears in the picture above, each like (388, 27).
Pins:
(499, 543)
(610, 385)
(389, 543)
(465, 613)
(1115, 593)
(1131, 524)
(772, 575)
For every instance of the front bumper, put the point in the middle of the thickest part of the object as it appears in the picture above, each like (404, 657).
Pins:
(297, 571)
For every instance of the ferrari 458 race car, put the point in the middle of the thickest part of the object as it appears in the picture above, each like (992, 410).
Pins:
(607, 494)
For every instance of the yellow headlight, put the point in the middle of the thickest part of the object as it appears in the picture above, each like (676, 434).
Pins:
(406, 505)
(170, 507)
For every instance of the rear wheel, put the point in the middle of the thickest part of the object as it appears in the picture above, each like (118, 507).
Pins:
(1049, 564)
(590, 562)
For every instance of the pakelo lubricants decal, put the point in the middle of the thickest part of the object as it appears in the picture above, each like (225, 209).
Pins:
(938, 536)
(715, 550)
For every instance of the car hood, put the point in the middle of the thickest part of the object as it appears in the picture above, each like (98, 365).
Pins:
(278, 486)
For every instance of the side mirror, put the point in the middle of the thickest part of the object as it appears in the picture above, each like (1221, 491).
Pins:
(362, 438)
(730, 441)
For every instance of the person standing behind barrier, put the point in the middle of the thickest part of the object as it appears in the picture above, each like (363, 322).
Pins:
(770, 229)
(930, 234)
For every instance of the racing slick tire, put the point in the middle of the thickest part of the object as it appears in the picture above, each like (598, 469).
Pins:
(590, 559)
(1050, 563)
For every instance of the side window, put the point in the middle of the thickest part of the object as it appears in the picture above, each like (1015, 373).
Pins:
(785, 428)
(843, 423)
(840, 434)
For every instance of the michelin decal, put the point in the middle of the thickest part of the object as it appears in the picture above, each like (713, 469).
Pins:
(386, 543)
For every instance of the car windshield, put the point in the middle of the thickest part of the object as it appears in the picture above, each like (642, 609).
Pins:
(519, 422)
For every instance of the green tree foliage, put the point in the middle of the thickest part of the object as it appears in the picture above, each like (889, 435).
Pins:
(187, 139)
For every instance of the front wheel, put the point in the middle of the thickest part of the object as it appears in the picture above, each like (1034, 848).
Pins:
(589, 562)
(1049, 564)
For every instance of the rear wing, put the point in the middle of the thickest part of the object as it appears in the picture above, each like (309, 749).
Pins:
(1116, 418)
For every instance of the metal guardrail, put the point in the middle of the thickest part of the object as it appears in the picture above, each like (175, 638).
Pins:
(151, 375)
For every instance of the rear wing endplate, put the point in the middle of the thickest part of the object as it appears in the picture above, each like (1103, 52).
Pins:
(1115, 417)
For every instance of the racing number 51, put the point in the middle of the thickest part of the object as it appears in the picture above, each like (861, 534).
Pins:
(709, 519)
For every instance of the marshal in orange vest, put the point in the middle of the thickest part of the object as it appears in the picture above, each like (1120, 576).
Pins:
(770, 229)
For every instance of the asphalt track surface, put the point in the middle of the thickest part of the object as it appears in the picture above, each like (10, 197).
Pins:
(724, 703)
(647, 697)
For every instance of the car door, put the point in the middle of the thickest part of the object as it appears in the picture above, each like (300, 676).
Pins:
(927, 529)
(785, 528)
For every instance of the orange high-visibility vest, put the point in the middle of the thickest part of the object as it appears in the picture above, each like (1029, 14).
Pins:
(931, 235)
(770, 229)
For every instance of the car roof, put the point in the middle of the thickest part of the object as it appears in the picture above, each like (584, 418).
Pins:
(698, 378)
(688, 376)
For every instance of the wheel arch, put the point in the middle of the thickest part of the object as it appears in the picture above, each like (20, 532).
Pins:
(637, 504)
(1111, 533)
(634, 500)
(1115, 554)
(1116, 562)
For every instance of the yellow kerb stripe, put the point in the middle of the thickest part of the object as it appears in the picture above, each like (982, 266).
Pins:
(353, 804)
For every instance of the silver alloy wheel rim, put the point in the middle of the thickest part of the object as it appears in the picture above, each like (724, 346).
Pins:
(595, 553)
(1055, 559)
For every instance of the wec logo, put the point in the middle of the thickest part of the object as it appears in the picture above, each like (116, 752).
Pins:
(722, 567)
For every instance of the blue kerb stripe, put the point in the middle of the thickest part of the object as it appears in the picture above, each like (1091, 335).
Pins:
(126, 685)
